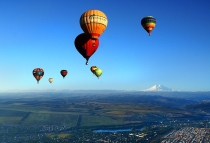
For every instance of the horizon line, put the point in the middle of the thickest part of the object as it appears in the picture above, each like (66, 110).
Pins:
(57, 90)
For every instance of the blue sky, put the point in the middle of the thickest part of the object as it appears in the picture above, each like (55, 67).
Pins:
(41, 34)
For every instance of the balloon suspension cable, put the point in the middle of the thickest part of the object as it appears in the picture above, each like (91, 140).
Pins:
(149, 34)
(63, 77)
(37, 82)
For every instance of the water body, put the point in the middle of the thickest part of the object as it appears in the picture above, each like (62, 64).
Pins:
(207, 117)
(114, 130)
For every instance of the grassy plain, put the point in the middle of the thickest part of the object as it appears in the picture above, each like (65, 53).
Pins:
(61, 135)
(99, 121)
(51, 119)
(78, 111)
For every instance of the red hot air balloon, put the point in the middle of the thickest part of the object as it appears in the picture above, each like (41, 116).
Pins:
(64, 73)
(86, 46)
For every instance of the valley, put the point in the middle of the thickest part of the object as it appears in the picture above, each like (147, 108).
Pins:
(51, 115)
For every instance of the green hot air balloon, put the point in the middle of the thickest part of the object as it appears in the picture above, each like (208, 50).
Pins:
(98, 72)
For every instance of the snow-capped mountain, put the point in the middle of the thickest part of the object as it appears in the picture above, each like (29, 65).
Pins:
(159, 88)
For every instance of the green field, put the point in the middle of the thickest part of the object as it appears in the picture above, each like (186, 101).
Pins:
(51, 119)
(66, 111)
(98, 121)
(58, 135)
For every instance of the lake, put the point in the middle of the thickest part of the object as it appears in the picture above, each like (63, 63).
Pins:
(114, 130)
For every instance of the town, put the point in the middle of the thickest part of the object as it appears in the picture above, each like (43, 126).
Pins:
(164, 132)
(189, 135)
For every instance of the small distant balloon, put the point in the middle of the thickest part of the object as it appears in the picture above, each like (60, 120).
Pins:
(98, 72)
(148, 23)
(93, 68)
(64, 73)
(50, 80)
(38, 73)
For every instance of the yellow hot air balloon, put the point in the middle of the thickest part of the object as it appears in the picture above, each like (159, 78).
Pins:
(93, 22)
(50, 80)
(98, 72)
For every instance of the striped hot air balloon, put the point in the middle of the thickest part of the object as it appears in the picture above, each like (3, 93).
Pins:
(38, 73)
(148, 23)
(93, 22)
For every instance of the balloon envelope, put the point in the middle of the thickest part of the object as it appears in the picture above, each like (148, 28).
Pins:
(148, 23)
(38, 73)
(50, 80)
(93, 22)
(98, 72)
(93, 68)
(86, 46)
(64, 73)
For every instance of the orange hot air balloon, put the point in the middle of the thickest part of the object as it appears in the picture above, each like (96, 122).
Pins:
(38, 73)
(93, 68)
(86, 46)
(64, 73)
(93, 22)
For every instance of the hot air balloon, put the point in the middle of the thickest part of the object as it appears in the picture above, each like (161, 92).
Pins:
(148, 23)
(85, 46)
(38, 73)
(98, 72)
(64, 73)
(93, 68)
(50, 80)
(93, 22)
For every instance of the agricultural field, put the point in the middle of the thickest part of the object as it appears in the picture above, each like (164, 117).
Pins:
(78, 111)
(62, 135)
(51, 119)
(11, 116)
(99, 121)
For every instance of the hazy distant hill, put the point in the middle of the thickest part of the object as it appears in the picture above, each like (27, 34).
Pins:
(163, 98)
(118, 97)
(194, 96)
(204, 106)
(146, 99)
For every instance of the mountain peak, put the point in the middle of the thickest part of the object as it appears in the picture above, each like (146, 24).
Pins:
(159, 87)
